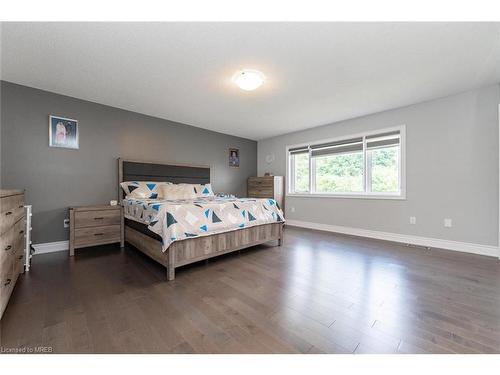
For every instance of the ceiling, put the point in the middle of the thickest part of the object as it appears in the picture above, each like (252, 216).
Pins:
(317, 73)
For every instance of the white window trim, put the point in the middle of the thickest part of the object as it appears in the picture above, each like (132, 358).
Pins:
(363, 195)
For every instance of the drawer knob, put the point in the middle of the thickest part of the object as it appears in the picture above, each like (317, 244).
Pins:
(21, 206)
(98, 234)
(20, 257)
(8, 247)
(8, 213)
(98, 218)
(7, 282)
(21, 231)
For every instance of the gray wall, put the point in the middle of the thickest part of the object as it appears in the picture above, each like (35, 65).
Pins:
(57, 178)
(451, 171)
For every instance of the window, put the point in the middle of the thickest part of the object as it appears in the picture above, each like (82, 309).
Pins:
(365, 165)
(300, 161)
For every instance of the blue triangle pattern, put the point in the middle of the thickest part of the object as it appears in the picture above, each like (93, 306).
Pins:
(215, 218)
(170, 219)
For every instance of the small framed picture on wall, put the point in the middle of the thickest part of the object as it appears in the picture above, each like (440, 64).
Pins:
(63, 132)
(234, 157)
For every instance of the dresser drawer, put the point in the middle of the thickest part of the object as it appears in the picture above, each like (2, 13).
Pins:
(94, 218)
(260, 195)
(12, 241)
(18, 265)
(97, 235)
(7, 282)
(257, 182)
(6, 266)
(12, 209)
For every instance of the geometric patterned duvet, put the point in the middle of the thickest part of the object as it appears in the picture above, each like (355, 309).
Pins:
(176, 220)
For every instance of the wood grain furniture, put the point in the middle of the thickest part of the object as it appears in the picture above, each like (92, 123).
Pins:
(272, 187)
(94, 225)
(189, 250)
(12, 227)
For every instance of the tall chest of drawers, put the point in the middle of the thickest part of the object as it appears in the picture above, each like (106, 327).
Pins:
(267, 187)
(12, 228)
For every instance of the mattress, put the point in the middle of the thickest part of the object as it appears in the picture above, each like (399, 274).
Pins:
(177, 220)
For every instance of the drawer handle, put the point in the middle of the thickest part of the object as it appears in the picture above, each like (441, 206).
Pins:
(8, 213)
(98, 218)
(8, 247)
(21, 231)
(98, 234)
(7, 282)
(21, 206)
(20, 257)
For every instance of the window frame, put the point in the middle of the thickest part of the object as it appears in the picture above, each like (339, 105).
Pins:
(366, 194)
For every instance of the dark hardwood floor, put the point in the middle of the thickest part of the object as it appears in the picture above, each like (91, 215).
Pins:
(319, 293)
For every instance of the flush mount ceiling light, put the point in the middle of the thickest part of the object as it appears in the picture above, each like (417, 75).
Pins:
(248, 79)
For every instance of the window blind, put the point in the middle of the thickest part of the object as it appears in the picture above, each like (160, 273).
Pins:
(339, 147)
(299, 150)
(382, 140)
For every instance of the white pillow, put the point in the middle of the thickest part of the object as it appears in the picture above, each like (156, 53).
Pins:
(142, 189)
(177, 191)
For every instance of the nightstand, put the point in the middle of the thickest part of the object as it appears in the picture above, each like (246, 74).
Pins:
(94, 225)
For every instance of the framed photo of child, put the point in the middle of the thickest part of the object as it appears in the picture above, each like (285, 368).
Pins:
(63, 132)
(234, 157)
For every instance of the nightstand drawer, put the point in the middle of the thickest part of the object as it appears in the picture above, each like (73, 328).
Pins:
(92, 236)
(94, 218)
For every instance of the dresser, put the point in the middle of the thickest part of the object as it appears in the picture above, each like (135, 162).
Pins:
(267, 187)
(12, 228)
(94, 225)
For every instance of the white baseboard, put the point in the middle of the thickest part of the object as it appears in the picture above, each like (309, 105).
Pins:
(466, 247)
(50, 247)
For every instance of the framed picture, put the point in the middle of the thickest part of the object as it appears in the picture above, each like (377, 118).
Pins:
(63, 132)
(234, 157)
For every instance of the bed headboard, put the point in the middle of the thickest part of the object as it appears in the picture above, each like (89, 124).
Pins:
(133, 170)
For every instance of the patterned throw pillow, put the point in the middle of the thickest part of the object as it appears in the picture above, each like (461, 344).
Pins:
(203, 190)
(142, 189)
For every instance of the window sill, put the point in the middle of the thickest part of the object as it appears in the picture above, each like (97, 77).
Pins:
(349, 196)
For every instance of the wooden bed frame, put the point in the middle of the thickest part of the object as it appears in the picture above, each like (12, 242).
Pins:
(194, 249)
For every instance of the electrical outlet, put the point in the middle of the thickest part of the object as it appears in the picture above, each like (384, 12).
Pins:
(66, 223)
(447, 223)
(292, 209)
(413, 220)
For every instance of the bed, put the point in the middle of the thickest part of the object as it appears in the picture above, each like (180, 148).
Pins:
(227, 224)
